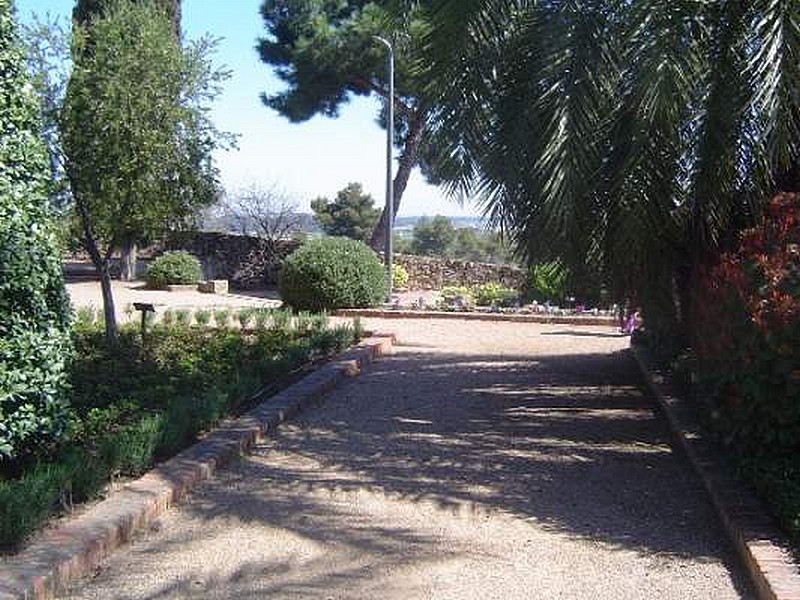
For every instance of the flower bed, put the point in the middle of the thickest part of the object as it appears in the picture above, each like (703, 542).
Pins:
(142, 401)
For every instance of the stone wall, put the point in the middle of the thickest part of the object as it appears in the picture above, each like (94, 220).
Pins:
(429, 273)
(248, 262)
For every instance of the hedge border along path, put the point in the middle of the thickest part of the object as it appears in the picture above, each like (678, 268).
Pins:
(761, 546)
(69, 552)
(544, 319)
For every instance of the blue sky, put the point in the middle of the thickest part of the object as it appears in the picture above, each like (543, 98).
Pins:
(310, 159)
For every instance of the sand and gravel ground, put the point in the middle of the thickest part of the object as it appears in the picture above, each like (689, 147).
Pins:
(481, 461)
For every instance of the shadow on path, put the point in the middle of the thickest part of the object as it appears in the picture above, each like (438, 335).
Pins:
(567, 442)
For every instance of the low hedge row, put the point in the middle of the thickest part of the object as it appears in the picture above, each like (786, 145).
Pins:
(137, 404)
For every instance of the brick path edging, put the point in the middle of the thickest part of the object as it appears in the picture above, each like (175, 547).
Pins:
(476, 316)
(69, 552)
(761, 546)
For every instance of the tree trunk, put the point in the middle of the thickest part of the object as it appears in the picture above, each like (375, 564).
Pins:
(112, 333)
(101, 265)
(407, 162)
(128, 258)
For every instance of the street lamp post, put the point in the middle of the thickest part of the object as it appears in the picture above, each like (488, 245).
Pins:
(389, 151)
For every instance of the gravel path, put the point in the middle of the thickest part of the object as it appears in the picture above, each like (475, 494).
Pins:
(481, 461)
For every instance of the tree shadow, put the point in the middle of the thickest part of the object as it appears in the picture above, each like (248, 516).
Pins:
(592, 334)
(568, 442)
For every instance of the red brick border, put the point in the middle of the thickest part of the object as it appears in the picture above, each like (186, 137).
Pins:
(476, 316)
(761, 546)
(69, 552)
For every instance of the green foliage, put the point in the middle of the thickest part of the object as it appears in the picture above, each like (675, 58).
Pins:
(26, 502)
(748, 358)
(34, 309)
(245, 317)
(136, 132)
(433, 237)
(333, 273)
(487, 294)
(86, 10)
(222, 317)
(135, 405)
(352, 214)
(399, 276)
(494, 294)
(202, 317)
(484, 246)
(168, 317)
(183, 317)
(627, 140)
(135, 129)
(174, 268)
(456, 297)
(547, 282)
(439, 237)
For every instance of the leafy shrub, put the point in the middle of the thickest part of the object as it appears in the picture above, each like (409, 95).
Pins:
(26, 502)
(183, 317)
(494, 294)
(456, 298)
(168, 318)
(222, 317)
(399, 276)
(245, 317)
(748, 324)
(174, 268)
(331, 273)
(547, 282)
(34, 308)
(203, 317)
(136, 404)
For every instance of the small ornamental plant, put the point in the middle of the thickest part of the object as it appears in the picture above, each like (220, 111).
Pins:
(399, 277)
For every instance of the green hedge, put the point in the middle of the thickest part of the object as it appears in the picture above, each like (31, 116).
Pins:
(331, 273)
(34, 309)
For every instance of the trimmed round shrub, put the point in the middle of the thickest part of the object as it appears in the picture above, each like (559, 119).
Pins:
(399, 277)
(331, 273)
(174, 268)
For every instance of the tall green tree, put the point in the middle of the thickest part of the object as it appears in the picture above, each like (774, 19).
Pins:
(433, 237)
(325, 52)
(627, 138)
(34, 309)
(83, 13)
(136, 133)
(351, 214)
(86, 10)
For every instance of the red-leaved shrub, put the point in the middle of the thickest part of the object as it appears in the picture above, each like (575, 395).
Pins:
(748, 346)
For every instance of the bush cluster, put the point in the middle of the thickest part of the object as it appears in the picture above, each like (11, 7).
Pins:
(748, 324)
(174, 268)
(136, 404)
(486, 294)
(331, 273)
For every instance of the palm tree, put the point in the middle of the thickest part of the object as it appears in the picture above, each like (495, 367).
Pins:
(632, 138)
